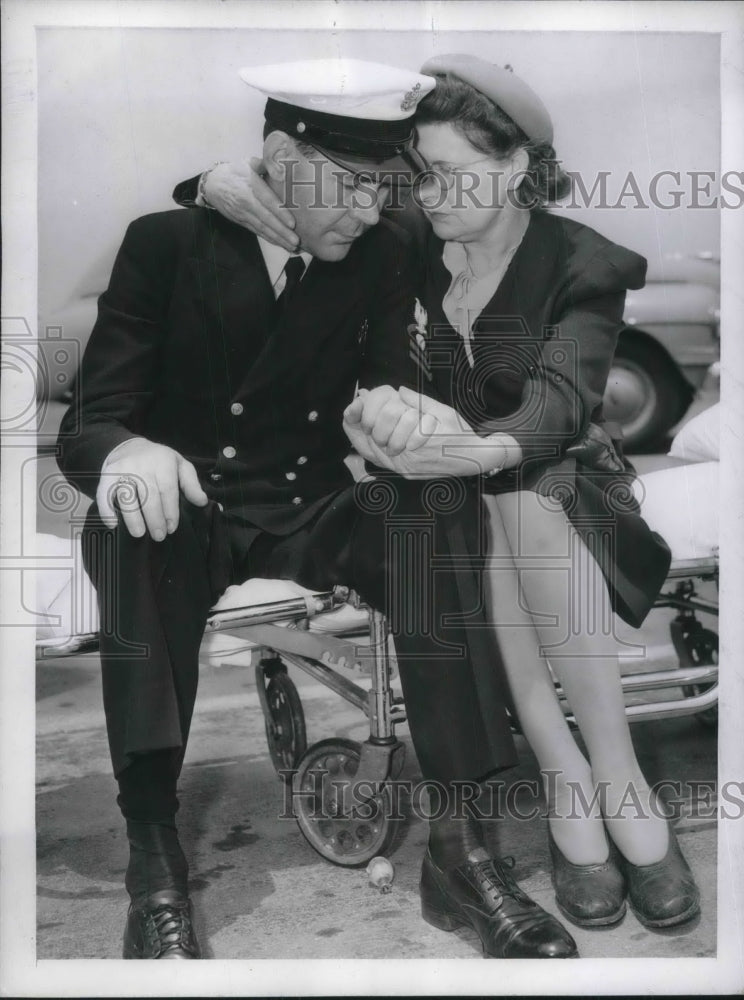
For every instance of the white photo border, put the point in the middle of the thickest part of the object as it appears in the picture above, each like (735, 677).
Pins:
(21, 974)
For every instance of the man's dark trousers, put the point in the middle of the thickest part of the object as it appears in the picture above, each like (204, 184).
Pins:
(410, 548)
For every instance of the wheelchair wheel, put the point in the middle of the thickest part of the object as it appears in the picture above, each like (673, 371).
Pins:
(352, 839)
(283, 716)
(701, 647)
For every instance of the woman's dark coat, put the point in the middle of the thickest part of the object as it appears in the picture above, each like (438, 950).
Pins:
(543, 347)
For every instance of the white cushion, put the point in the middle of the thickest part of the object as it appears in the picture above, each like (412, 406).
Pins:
(699, 439)
(63, 598)
(681, 503)
(259, 591)
(59, 590)
(262, 591)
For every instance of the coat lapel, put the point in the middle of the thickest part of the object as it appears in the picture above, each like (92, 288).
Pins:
(445, 349)
(514, 306)
(512, 313)
(233, 296)
(326, 294)
(532, 266)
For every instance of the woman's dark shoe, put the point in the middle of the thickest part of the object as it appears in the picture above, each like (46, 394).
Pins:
(588, 895)
(161, 926)
(482, 894)
(663, 894)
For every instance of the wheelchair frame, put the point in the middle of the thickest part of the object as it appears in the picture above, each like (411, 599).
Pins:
(696, 648)
(342, 827)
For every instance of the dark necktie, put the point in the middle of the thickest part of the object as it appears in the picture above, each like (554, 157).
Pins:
(293, 269)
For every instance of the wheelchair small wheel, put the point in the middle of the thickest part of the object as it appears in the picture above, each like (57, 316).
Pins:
(284, 719)
(351, 839)
(702, 648)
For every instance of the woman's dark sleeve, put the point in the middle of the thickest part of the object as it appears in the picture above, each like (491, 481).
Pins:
(185, 192)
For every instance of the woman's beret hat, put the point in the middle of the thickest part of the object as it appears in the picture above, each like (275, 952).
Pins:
(501, 86)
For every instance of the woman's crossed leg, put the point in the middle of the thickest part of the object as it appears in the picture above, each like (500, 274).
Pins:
(550, 603)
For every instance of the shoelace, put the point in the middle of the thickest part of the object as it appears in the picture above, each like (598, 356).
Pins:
(496, 872)
(172, 926)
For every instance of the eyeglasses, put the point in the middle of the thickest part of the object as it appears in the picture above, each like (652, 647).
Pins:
(445, 176)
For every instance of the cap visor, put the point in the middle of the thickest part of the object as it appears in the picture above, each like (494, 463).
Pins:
(402, 168)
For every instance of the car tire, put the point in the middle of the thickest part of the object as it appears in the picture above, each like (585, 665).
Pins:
(645, 394)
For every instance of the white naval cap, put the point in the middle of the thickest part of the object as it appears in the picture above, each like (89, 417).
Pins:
(357, 113)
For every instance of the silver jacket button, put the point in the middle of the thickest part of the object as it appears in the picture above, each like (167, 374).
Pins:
(302, 460)
(297, 501)
(229, 452)
(312, 416)
(290, 475)
(236, 409)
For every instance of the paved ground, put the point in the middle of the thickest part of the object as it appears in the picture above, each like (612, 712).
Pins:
(260, 891)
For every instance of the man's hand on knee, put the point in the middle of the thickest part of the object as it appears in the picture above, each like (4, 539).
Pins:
(142, 480)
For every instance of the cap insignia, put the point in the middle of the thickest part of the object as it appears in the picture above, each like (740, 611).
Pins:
(411, 99)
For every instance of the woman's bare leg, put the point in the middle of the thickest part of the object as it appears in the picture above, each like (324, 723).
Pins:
(565, 769)
(560, 578)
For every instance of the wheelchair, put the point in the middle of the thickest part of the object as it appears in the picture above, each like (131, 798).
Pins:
(317, 633)
(682, 505)
(341, 789)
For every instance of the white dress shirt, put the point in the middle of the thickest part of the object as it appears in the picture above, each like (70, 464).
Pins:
(275, 259)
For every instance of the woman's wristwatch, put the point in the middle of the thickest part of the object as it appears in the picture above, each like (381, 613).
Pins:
(499, 467)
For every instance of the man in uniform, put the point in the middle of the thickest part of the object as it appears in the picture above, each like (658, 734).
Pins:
(210, 406)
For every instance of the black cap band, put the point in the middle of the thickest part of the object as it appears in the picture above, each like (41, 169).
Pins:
(365, 137)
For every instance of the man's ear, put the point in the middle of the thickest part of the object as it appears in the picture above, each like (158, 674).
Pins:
(278, 148)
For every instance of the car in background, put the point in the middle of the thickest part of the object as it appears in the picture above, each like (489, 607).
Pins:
(669, 341)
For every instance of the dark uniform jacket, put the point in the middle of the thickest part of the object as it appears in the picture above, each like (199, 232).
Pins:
(190, 350)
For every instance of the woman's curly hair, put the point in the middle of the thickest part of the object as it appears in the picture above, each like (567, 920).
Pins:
(491, 131)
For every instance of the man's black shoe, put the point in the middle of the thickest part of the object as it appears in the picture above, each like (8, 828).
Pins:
(482, 894)
(161, 926)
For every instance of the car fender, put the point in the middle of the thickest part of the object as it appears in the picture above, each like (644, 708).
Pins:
(682, 318)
